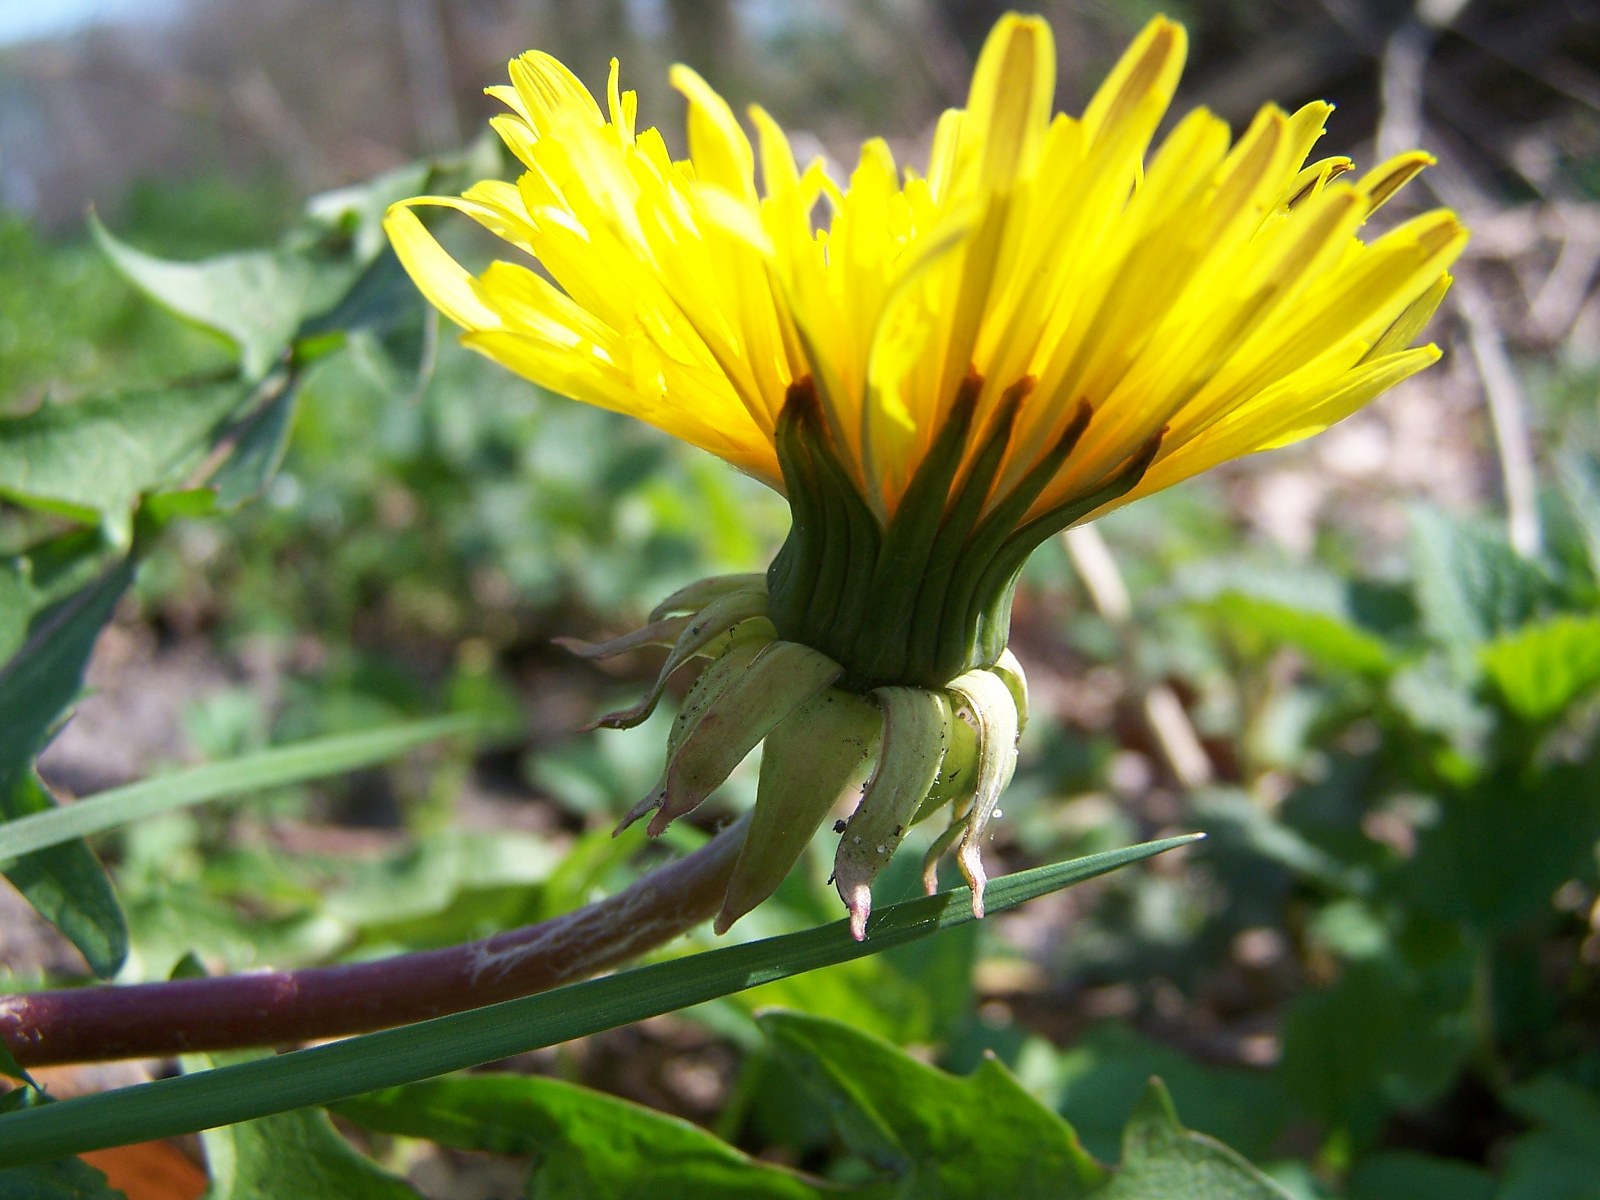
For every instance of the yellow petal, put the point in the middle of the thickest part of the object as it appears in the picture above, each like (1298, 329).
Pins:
(448, 285)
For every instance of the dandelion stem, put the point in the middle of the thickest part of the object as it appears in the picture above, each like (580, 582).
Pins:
(265, 1008)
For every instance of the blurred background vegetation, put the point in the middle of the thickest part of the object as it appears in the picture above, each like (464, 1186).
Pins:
(1366, 665)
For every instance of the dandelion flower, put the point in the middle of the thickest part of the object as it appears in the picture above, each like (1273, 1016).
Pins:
(1051, 320)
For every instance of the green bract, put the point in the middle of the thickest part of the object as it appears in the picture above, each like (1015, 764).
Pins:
(905, 751)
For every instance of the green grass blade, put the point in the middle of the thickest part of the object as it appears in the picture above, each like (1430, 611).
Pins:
(270, 768)
(323, 1074)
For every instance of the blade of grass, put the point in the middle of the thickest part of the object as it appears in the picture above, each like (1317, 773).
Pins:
(276, 767)
(323, 1074)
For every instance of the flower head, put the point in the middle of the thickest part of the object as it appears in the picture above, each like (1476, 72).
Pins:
(1051, 320)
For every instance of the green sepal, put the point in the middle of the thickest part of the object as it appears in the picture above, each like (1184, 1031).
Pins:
(695, 596)
(810, 761)
(988, 697)
(916, 729)
(715, 680)
(737, 616)
(783, 676)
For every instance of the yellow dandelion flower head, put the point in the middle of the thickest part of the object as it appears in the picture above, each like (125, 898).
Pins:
(1218, 292)
(1052, 319)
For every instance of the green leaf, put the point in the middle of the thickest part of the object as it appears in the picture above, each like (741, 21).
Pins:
(66, 883)
(297, 1154)
(90, 460)
(40, 576)
(323, 1074)
(64, 1179)
(936, 1135)
(1314, 613)
(255, 300)
(1560, 1159)
(1324, 638)
(1383, 1037)
(233, 779)
(584, 1143)
(1500, 848)
(258, 451)
(1403, 1175)
(68, 887)
(1470, 584)
(1161, 1160)
(1542, 668)
(1102, 1076)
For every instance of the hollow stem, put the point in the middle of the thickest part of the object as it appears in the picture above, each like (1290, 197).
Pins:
(273, 1007)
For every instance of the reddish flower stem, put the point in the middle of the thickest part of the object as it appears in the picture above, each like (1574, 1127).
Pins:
(273, 1007)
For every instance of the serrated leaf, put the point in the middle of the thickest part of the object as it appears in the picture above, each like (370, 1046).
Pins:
(90, 460)
(64, 1179)
(1161, 1160)
(1543, 667)
(935, 1135)
(584, 1143)
(1470, 584)
(256, 300)
(68, 887)
(66, 883)
(297, 1154)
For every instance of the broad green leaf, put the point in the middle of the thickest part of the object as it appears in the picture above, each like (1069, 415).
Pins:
(340, 1070)
(1161, 1160)
(1322, 637)
(256, 300)
(1404, 1175)
(934, 1135)
(584, 1143)
(1315, 613)
(232, 779)
(36, 686)
(1100, 1078)
(295, 1154)
(1383, 1037)
(1543, 667)
(1560, 1158)
(42, 574)
(1500, 848)
(64, 1179)
(1470, 584)
(68, 887)
(258, 451)
(91, 459)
